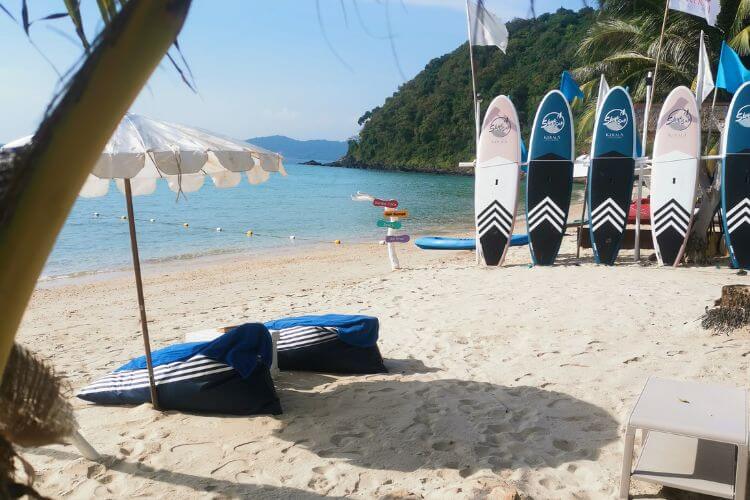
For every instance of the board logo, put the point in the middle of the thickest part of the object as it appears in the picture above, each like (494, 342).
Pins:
(743, 116)
(553, 123)
(616, 120)
(679, 119)
(500, 126)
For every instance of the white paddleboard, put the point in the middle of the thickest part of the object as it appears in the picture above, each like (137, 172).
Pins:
(497, 176)
(674, 174)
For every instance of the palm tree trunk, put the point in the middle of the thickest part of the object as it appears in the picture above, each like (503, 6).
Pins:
(39, 185)
(698, 250)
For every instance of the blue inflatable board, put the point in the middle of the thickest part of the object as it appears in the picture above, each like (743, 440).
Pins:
(440, 243)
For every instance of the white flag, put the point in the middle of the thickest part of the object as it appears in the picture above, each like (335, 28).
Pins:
(485, 28)
(603, 89)
(707, 9)
(705, 80)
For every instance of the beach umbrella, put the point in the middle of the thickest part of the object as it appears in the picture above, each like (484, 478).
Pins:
(143, 150)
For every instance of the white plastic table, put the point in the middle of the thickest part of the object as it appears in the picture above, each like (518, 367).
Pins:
(695, 438)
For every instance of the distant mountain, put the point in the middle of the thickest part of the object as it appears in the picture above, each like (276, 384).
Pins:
(293, 149)
(426, 125)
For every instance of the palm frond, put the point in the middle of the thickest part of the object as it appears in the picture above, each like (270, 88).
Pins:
(741, 42)
(33, 412)
(741, 19)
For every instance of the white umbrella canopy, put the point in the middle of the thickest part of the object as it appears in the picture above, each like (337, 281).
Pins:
(143, 150)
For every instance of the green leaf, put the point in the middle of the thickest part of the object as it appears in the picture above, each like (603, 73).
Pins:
(75, 15)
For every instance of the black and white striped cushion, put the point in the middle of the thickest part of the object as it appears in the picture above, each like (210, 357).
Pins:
(194, 368)
(298, 337)
(319, 349)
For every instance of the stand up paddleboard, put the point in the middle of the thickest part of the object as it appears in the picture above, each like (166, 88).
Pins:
(735, 178)
(610, 181)
(674, 174)
(549, 182)
(496, 179)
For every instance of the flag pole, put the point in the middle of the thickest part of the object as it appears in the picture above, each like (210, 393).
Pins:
(661, 41)
(476, 111)
(639, 189)
(637, 249)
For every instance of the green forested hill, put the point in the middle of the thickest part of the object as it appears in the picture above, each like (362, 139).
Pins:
(427, 124)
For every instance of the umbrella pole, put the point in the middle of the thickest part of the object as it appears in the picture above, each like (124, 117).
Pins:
(139, 288)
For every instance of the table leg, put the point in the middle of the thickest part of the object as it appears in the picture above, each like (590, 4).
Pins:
(275, 371)
(84, 447)
(740, 481)
(627, 462)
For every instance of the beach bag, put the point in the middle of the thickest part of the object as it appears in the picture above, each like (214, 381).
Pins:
(228, 375)
(332, 343)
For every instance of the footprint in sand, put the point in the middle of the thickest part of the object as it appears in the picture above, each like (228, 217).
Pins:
(443, 445)
(563, 445)
(338, 439)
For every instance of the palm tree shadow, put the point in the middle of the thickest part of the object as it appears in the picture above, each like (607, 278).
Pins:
(455, 424)
(200, 484)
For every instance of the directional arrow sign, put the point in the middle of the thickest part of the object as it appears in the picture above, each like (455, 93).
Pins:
(393, 225)
(385, 203)
(401, 238)
(396, 213)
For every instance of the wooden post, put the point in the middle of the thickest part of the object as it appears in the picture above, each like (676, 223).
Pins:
(139, 289)
(639, 190)
(583, 216)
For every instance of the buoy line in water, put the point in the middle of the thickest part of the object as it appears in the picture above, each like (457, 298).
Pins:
(249, 232)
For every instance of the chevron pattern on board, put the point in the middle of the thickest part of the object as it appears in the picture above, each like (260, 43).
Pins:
(738, 215)
(673, 215)
(495, 215)
(608, 211)
(546, 210)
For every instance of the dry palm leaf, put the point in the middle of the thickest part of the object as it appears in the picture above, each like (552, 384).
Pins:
(33, 412)
(731, 311)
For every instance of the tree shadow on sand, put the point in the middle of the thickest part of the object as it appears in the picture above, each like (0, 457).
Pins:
(201, 485)
(449, 423)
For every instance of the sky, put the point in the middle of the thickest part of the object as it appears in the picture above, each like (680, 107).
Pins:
(262, 67)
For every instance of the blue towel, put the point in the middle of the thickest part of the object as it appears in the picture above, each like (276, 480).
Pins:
(359, 331)
(241, 348)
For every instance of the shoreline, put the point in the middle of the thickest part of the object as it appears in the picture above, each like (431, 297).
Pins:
(183, 262)
(347, 163)
(299, 247)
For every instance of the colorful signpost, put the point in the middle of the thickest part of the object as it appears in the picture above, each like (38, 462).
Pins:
(403, 214)
(399, 238)
(390, 221)
(386, 223)
(385, 203)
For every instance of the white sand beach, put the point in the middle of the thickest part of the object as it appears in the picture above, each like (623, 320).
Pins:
(501, 380)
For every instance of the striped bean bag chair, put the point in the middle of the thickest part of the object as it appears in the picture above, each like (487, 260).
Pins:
(331, 343)
(228, 375)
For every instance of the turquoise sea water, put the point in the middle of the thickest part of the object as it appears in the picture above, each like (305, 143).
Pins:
(312, 203)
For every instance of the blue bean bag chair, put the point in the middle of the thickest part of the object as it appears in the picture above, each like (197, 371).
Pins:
(229, 375)
(332, 343)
